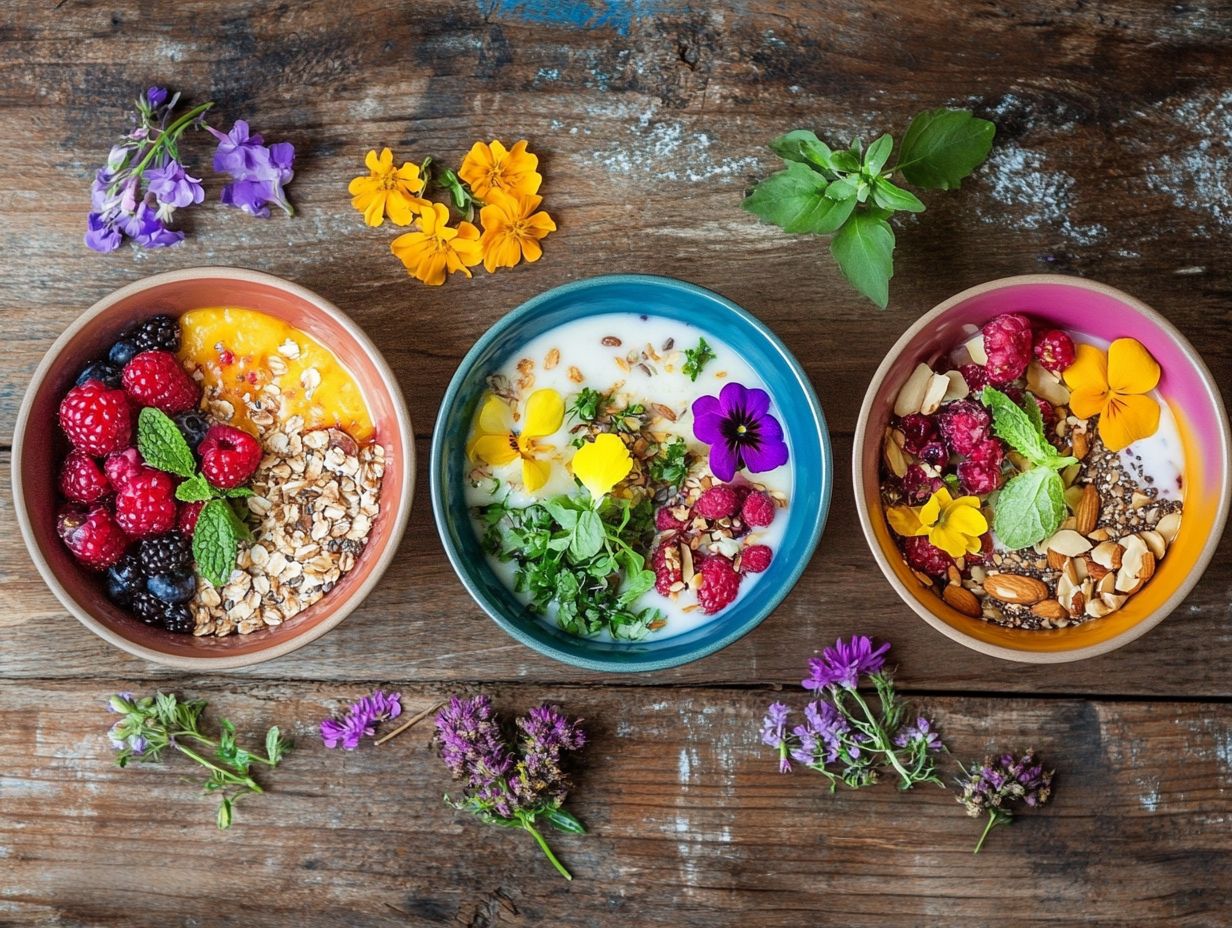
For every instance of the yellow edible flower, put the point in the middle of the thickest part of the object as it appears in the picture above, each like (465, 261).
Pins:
(386, 190)
(436, 249)
(489, 167)
(1112, 386)
(497, 443)
(601, 464)
(953, 525)
(512, 229)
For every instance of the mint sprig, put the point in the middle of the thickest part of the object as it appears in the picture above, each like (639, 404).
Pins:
(162, 445)
(1031, 506)
(850, 192)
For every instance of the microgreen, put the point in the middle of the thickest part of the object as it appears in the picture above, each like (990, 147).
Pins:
(696, 359)
(151, 724)
(588, 405)
(671, 464)
(1031, 505)
(850, 193)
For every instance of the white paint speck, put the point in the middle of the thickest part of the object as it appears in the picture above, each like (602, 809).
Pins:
(666, 150)
(1041, 197)
(1198, 175)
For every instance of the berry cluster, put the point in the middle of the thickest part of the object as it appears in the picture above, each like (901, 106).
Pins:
(729, 508)
(120, 515)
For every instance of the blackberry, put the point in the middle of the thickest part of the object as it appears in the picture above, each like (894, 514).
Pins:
(178, 618)
(158, 333)
(172, 588)
(104, 372)
(122, 351)
(147, 608)
(170, 553)
(125, 578)
(193, 426)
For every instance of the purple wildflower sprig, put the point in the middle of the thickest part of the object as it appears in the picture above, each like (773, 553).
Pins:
(994, 786)
(150, 725)
(512, 783)
(360, 719)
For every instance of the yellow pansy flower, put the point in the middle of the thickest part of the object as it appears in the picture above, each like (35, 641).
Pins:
(512, 229)
(497, 443)
(387, 190)
(436, 249)
(601, 464)
(1113, 386)
(953, 525)
(489, 167)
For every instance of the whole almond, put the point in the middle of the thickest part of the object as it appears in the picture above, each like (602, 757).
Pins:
(1049, 609)
(1014, 588)
(1086, 513)
(961, 599)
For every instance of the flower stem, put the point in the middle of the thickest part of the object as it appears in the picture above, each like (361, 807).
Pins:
(992, 823)
(543, 846)
(883, 740)
(170, 133)
(230, 777)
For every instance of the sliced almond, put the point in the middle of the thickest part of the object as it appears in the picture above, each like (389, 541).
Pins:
(1137, 565)
(1046, 385)
(911, 396)
(953, 575)
(1168, 526)
(1114, 600)
(1056, 560)
(1096, 608)
(1086, 514)
(1070, 474)
(1155, 543)
(958, 389)
(1081, 568)
(1080, 445)
(1139, 500)
(938, 386)
(1073, 496)
(961, 599)
(1107, 554)
(1015, 588)
(686, 563)
(1106, 584)
(975, 348)
(1068, 542)
(1095, 571)
(1100, 534)
(895, 457)
(1049, 609)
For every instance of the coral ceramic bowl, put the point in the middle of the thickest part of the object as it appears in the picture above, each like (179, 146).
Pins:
(794, 399)
(1188, 388)
(39, 447)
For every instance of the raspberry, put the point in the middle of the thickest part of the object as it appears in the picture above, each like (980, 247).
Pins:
(666, 522)
(720, 584)
(1047, 413)
(1007, 342)
(104, 372)
(229, 456)
(125, 579)
(665, 575)
(979, 479)
(155, 378)
(92, 535)
(1055, 350)
(990, 453)
(158, 333)
(96, 420)
(964, 424)
(82, 480)
(145, 505)
(917, 485)
(755, 559)
(936, 454)
(922, 555)
(123, 466)
(919, 430)
(165, 554)
(186, 520)
(975, 376)
(719, 502)
(758, 509)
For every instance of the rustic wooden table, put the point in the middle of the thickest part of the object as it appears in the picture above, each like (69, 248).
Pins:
(651, 118)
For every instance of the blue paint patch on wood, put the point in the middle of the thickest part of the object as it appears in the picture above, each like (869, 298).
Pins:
(581, 14)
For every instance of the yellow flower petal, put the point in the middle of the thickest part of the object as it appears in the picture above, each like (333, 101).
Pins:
(535, 474)
(931, 510)
(1089, 372)
(492, 449)
(966, 519)
(951, 542)
(1087, 403)
(1126, 419)
(905, 520)
(545, 411)
(495, 417)
(1131, 369)
(601, 464)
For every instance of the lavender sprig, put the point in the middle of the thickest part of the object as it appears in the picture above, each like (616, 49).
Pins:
(994, 786)
(360, 719)
(511, 785)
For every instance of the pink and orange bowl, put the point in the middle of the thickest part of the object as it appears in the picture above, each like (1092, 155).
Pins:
(38, 447)
(1186, 386)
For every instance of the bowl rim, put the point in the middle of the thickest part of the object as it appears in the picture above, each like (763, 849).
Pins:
(278, 649)
(1200, 564)
(704, 649)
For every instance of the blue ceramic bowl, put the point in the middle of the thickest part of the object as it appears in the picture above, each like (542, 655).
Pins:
(794, 401)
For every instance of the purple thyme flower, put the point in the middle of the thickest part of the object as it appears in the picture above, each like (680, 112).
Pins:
(547, 734)
(844, 664)
(172, 186)
(120, 702)
(474, 748)
(996, 784)
(774, 733)
(921, 732)
(360, 720)
(740, 431)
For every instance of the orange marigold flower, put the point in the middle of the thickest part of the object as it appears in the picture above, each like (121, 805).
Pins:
(437, 250)
(387, 190)
(491, 167)
(512, 229)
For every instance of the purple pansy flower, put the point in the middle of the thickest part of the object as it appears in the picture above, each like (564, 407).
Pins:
(740, 431)
(844, 664)
(173, 186)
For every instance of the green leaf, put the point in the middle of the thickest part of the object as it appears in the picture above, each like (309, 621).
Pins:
(161, 444)
(877, 155)
(588, 537)
(238, 493)
(224, 812)
(943, 146)
(215, 542)
(864, 250)
(561, 510)
(803, 146)
(1029, 508)
(890, 196)
(196, 489)
(794, 199)
(564, 821)
(697, 358)
(273, 745)
(841, 189)
(1015, 426)
(847, 160)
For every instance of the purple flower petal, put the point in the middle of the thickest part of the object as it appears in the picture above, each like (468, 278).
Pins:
(100, 236)
(708, 419)
(768, 452)
(724, 460)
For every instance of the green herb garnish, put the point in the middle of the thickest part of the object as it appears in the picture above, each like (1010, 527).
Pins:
(162, 445)
(848, 192)
(1031, 506)
(671, 464)
(697, 358)
(589, 404)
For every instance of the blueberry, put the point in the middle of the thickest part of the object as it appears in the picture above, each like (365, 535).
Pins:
(158, 333)
(102, 371)
(172, 588)
(193, 426)
(122, 352)
(124, 579)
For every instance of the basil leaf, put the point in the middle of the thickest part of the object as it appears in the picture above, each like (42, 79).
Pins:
(564, 821)
(877, 155)
(943, 146)
(803, 146)
(864, 250)
(841, 189)
(215, 543)
(891, 196)
(847, 160)
(588, 537)
(1029, 508)
(1015, 426)
(195, 489)
(794, 199)
(162, 445)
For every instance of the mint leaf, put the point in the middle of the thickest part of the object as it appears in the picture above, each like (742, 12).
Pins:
(864, 250)
(803, 146)
(237, 493)
(215, 542)
(1029, 508)
(877, 155)
(161, 444)
(943, 146)
(588, 536)
(1015, 426)
(794, 199)
(195, 489)
(889, 196)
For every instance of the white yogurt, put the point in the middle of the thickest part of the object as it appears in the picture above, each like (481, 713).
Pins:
(580, 344)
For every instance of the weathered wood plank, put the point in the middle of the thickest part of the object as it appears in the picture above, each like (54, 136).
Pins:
(690, 823)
